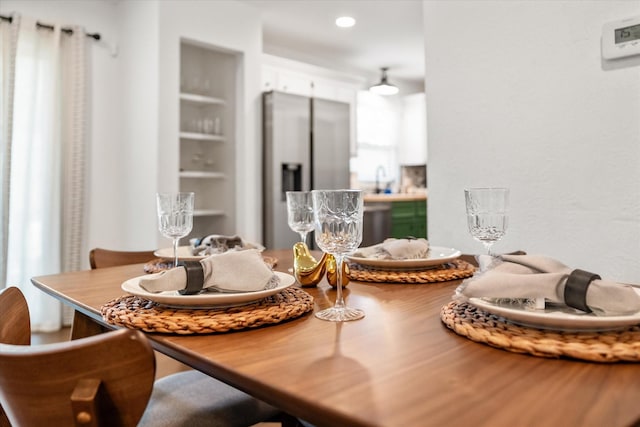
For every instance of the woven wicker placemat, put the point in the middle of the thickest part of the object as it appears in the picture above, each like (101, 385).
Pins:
(456, 269)
(622, 345)
(138, 313)
(159, 264)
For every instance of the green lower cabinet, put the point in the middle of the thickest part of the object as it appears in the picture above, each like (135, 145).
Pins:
(409, 218)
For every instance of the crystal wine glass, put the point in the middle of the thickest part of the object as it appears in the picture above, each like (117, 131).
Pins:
(300, 213)
(338, 226)
(175, 217)
(487, 214)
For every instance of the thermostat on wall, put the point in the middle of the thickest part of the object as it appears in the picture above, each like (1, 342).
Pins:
(621, 38)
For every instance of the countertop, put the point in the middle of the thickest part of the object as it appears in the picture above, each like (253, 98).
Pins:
(394, 197)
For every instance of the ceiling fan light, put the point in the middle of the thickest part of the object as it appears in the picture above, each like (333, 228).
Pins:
(384, 87)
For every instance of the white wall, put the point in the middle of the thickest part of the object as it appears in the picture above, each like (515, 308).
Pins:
(517, 96)
(134, 108)
(234, 26)
(106, 180)
(138, 162)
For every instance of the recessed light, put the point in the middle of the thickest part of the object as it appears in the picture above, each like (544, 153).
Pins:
(345, 22)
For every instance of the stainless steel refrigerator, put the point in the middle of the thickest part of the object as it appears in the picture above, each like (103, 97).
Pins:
(306, 147)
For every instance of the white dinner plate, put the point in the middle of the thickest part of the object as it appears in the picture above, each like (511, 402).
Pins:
(205, 299)
(184, 252)
(556, 316)
(437, 255)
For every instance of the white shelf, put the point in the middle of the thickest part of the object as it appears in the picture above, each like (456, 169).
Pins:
(201, 99)
(208, 212)
(207, 163)
(202, 174)
(201, 136)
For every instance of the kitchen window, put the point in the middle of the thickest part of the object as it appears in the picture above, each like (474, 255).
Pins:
(378, 125)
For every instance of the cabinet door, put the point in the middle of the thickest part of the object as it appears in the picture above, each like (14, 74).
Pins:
(294, 83)
(402, 228)
(269, 78)
(409, 219)
(324, 89)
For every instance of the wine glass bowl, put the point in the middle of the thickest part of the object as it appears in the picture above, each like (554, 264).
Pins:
(300, 213)
(338, 231)
(487, 218)
(175, 217)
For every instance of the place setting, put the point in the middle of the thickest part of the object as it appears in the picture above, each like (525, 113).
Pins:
(224, 285)
(395, 260)
(407, 260)
(536, 304)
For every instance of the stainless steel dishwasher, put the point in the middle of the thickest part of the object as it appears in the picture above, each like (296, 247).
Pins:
(376, 223)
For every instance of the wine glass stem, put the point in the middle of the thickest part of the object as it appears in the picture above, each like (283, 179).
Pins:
(175, 252)
(488, 246)
(303, 237)
(339, 299)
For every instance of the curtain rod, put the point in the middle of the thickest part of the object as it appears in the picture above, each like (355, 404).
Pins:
(95, 36)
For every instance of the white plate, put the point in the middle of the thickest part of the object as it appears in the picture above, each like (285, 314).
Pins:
(437, 255)
(184, 253)
(206, 299)
(556, 317)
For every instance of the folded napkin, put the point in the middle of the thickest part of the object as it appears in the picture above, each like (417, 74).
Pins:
(217, 244)
(408, 248)
(235, 271)
(536, 276)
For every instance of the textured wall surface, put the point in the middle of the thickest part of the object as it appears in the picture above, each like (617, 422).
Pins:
(518, 96)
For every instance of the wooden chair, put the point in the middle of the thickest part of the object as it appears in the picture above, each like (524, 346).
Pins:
(101, 258)
(179, 384)
(15, 327)
(16, 330)
(107, 380)
(101, 380)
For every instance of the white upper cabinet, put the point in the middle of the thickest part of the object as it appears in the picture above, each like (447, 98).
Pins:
(286, 81)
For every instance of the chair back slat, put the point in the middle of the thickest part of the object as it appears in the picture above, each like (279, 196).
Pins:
(15, 325)
(101, 258)
(37, 382)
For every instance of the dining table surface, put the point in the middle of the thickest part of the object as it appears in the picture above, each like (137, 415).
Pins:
(398, 366)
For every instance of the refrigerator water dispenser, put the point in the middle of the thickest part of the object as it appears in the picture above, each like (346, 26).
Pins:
(291, 178)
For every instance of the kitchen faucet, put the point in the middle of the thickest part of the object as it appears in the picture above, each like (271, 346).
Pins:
(384, 174)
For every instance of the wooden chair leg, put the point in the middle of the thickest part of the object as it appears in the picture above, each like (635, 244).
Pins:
(84, 326)
(4, 421)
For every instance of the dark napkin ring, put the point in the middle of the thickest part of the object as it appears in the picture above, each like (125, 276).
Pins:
(195, 277)
(575, 289)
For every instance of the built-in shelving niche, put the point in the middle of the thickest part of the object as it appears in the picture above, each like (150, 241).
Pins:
(208, 93)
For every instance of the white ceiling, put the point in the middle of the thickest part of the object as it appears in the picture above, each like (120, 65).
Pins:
(388, 33)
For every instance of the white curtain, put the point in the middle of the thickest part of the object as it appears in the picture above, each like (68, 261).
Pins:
(8, 46)
(48, 177)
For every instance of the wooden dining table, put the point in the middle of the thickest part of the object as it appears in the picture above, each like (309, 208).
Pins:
(398, 366)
